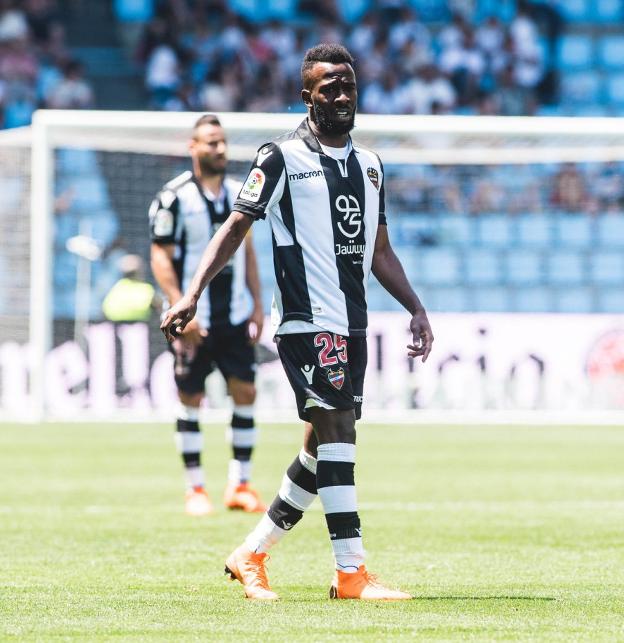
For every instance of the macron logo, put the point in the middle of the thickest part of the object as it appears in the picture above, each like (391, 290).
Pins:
(297, 176)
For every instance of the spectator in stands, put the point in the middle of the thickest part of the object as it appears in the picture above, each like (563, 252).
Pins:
(73, 91)
(569, 189)
(512, 99)
(429, 92)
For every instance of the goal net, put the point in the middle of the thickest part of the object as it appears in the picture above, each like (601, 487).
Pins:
(490, 216)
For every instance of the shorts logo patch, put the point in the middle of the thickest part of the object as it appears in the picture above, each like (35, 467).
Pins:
(373, 175)
(163, 223)
(336, 378)
(308, 372)
(253, 185)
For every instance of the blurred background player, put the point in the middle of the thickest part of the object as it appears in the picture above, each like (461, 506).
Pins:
(131, 299)
(183, 218)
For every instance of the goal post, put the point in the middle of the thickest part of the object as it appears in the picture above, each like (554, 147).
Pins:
(123, 157)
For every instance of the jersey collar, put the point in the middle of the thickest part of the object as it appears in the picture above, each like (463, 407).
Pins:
(305, 133)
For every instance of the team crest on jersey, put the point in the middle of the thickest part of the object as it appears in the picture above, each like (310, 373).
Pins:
(373, 175)
(163, 223)
(336, 378)
(253, 185)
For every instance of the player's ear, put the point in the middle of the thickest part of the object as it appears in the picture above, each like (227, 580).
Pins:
(306, 97)
(191, 144)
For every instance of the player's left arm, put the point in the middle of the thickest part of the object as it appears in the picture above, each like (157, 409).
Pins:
(252, 279)
(389, 272)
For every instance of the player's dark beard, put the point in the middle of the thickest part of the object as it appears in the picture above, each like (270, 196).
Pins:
(208, 168)
(323, 121)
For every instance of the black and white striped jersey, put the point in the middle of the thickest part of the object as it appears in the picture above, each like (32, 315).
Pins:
(182, 214)
(324, 215)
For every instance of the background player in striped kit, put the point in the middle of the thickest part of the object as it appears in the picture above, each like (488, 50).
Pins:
(324, 198)
(183, 218)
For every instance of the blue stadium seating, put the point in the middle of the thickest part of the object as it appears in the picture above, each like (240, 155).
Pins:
(564, 267)
(482, 267)
(495, 300)
(353, 10)
(582, 87)
(576, 52)
(439, 266)
(605, 11)
(611, 52)
(610, 230)
(575, 230)
(574, 300)
(447, 300)
(412, 229)
(615, 89)
(610, 300)
(456, 230)
(532, 300)
(575, 10)
(606, 268)
(524, 267)
(534, 231)
(495, 230)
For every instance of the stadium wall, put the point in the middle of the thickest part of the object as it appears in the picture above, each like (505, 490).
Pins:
(487, 362)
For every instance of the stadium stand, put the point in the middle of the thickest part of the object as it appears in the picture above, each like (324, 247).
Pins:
(535, 238)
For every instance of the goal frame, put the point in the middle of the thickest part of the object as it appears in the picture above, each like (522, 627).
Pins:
(591, 139)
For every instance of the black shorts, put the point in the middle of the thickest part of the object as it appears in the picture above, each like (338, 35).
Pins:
(226, 348)
(325, 370)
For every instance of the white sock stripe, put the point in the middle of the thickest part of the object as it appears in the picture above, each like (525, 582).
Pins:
(189, 441)
(242, 437)
(294, 495)
(238, 471)
(348, 546)
(265, 535)
(336, 452)
(244, 410)
(194, 477)
(188, 413)
(338, 499)
(308, 461)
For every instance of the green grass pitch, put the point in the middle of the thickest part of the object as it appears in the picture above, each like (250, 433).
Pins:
(513, 533)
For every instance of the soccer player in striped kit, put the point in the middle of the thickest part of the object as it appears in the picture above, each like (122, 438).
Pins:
(323, 196)
(184, 216)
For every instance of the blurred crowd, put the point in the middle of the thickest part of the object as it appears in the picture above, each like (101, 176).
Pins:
(591, 188)
(36, 69)
(201, 56)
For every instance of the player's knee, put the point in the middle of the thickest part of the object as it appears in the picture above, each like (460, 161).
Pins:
(333, 426)
(190, 399)
(243, 393)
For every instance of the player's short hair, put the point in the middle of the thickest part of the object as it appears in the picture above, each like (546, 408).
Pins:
(206, 119)
(324, 53)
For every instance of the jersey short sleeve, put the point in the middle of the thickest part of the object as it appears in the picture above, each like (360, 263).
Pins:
(382, 196)
(163, 217)
(264, 184)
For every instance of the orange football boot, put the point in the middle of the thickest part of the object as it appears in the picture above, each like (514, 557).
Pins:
(364, 586)
(249, 570)
(243, 496)
(197, 502)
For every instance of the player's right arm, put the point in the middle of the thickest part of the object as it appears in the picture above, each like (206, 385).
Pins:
(164, 233)
(263, 188)
(216, 255)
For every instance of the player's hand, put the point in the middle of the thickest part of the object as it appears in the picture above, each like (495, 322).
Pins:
(177, 318)
(422, 336)
(255, 324)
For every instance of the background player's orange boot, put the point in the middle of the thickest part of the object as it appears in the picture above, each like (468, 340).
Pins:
(364, 586)
(248, 568)
(243, 496)
(197, 502)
